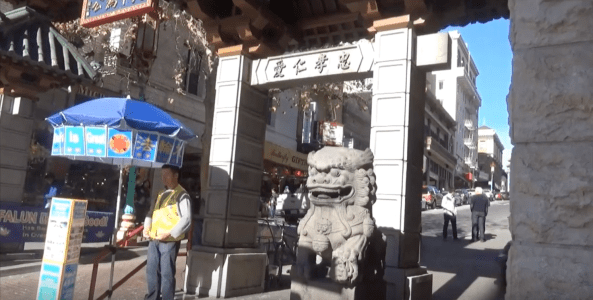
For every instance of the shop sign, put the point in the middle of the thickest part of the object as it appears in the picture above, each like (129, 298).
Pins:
(103, 142)
(165, 147)
(98, 12)
(19, 224)
(74, 141)
(62, 249)
(120, 143)
(334, 61)
(469, 176)
(58, 141)
(333, 134)
(95, 141)
(284, 156)
(145, 146)
(177, 153)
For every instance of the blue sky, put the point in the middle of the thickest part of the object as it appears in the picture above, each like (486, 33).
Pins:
(490, 48)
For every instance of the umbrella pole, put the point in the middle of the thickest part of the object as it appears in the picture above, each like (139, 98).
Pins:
(116, 226)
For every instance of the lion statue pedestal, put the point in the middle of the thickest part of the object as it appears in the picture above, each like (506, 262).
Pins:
(340, 252)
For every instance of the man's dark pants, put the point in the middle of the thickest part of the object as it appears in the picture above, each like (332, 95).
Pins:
(453, 220)
(478, 225)
(160, 270)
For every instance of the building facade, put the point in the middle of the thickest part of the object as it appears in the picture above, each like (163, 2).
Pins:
(27, 165)
(490, 162)
(456, 88)
(439, 143)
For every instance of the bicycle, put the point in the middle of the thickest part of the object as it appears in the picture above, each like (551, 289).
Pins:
(282, 250)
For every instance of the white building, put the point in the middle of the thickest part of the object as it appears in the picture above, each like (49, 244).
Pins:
(490, 144)
(456, 88)
(439, 133)
(490, 159)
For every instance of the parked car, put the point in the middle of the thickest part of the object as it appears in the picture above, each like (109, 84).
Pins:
(502, 196)
(463, 194)
(457, 197)
(423, 204)
(488, 194)
(432, 196)
(292, 205)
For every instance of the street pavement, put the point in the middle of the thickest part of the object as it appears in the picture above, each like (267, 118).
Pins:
(461, 270)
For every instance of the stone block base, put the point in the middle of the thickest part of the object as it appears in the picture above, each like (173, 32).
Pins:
(544, 271)
(218, 272)
(410, 284)
(327, 289)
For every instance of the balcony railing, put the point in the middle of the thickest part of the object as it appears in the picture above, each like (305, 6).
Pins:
(469, 124)
(435, 147)
(468, 141)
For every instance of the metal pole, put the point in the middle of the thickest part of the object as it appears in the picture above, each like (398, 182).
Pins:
(115, 229)
(492, 183)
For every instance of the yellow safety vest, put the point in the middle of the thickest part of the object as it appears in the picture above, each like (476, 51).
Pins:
(165, 215)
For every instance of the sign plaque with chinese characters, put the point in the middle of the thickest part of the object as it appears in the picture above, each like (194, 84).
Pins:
(339, 61)
(99, 12)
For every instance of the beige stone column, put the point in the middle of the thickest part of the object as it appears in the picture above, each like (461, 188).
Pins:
(228, 264)
(397, 124)
(551, 117)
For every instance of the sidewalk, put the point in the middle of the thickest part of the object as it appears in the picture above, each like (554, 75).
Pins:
(461, 270)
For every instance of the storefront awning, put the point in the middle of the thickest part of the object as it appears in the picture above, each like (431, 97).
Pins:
(285, 157)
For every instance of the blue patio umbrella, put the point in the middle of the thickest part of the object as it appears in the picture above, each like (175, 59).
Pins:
(121, 132)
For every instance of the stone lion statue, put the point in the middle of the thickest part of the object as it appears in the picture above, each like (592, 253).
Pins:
(338, 224)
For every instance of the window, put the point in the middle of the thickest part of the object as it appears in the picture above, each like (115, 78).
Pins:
(460, 59)
(441, 84)
(192, 76)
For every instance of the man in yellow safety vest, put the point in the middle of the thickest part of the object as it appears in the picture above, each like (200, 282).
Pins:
(167, 220)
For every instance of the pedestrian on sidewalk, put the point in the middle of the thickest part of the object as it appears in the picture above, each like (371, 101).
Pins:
(449, 214)
(479, 207)
(167, 220)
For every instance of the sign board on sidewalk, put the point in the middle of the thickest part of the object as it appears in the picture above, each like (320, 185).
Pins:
(20, 224)
(62, 249)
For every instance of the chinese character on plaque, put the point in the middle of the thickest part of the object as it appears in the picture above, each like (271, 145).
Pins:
(321, 62)
(279, 68)
(344, 63)
(299, 66)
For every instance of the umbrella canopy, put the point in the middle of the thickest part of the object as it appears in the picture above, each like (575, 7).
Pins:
(122, 132)
(122, 113)
(119, 131)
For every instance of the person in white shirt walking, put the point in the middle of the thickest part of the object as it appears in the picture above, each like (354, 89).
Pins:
(450, 214)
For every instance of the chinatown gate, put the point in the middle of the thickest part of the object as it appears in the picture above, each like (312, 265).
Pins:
(228, 264)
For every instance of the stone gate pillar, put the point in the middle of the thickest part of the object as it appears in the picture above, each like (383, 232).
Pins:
(396, 140)
(228, 264)
(551, 116)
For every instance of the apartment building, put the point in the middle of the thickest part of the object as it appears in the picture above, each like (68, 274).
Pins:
(456, 89)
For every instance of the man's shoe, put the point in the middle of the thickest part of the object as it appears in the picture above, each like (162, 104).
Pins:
(473, 240)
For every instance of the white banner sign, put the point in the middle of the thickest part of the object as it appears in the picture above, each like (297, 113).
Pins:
(334, 61)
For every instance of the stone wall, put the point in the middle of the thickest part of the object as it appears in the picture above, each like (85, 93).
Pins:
(551, 118)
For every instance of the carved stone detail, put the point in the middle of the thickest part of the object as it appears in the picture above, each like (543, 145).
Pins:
(338, 226)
